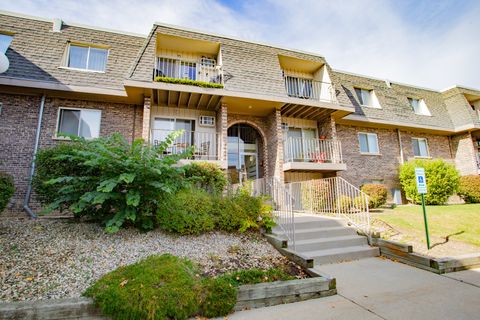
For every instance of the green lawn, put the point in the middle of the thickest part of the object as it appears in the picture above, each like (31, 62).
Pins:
(461, 222)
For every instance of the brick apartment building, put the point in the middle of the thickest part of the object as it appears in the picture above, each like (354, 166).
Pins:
(269, 111)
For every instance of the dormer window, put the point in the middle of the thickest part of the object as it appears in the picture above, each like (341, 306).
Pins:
(86, 57)
(367, 98)
(5, 41)
(419, 106)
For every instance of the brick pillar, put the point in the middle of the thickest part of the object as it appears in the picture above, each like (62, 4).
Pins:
(275, 146)
(146, 119)
(222, 127)
(333, 127)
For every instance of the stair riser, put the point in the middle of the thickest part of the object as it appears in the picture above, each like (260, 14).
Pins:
(347, 256)
(331, 244)
(319, 224)
(324, 234)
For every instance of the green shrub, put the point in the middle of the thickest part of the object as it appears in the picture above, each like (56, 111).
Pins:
(469, 188)
(442, 180)
(118, 182)
(377, 194)
(208, 176)
(315, 195)
(7, 188)
(159, 287)
(240, 211)
(189, 82)
(219, 297)
(187, 212)
(345, 204)
(49, 167)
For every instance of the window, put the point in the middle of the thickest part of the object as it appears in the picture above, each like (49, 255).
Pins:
(5, 41)
(419, 106)
(207, 121)
(179, 69)
(368, 143)
(364, 96)
(162, 127)
(420, 147)
(80, 122)
(87, 58)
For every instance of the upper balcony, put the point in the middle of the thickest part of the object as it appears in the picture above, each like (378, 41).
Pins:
(304, 88)
(311, 154)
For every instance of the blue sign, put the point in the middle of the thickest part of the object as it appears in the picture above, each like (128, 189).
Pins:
(421, 181)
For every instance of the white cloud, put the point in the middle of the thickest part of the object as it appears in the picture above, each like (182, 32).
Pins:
(369, 37)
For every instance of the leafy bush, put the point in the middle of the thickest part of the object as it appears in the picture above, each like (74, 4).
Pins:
(49, 167)
(187, 212)
(208, 176)
(315, 195)
(469, 188)
(219, 297)
(442, 180)
(240, 211)
(159, 287)
(111, 180)
(189, 82)
(7, 188)
(377, 194)
(345, 204)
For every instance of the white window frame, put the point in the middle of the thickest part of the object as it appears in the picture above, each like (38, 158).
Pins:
(201, 122)
(376, 139)
(66, 60)
(375, 104)
(59, 112)
(422, 106)
(426, 144)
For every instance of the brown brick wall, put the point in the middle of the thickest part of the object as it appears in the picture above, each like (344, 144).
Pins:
(464, 153)
(18, 122)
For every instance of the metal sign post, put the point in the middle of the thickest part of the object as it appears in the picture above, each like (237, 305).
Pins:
(422, 189)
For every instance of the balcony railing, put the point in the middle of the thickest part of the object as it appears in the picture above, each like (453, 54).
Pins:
(312, 150)
(309, 89)
(204, 143)
(205, 70)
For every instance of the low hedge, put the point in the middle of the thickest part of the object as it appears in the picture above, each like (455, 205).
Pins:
(469, 188)
(168, 287)
(202, 84)
(7, 188)
(205, 175)
(377, 194)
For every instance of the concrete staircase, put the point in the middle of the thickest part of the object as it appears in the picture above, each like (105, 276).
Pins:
(328, 240)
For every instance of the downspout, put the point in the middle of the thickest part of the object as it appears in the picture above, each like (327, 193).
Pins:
(32, 167)
(402, 160)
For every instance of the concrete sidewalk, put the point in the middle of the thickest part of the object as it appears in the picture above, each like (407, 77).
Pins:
(377, 288)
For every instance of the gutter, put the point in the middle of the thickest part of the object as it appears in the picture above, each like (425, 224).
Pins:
(26, 201)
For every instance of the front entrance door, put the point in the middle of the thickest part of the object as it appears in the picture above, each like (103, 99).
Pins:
(243, 161)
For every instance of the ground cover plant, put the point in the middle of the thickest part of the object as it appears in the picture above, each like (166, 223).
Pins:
(377, 194)
(469, 188)
(168, 287)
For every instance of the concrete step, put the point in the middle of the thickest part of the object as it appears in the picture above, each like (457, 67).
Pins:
(307, 222)
(330, 243)
(316, 233)
(342, 254)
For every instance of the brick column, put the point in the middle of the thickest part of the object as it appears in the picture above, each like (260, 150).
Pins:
(333, 128)
(275, 145)
(222, 127)
(146, 119)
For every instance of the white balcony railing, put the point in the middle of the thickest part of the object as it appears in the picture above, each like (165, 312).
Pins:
(309, 89)
(204, 143)
(313, 150)
(205, 70)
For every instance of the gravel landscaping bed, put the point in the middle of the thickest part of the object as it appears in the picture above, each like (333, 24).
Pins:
(60, 258)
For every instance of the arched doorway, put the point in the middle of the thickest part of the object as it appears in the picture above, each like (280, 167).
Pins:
(245, 159)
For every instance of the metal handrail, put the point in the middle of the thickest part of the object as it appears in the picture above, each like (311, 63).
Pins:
(332, 197)
(313, 150)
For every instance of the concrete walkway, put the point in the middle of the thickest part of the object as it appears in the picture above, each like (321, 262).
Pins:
(377, 288)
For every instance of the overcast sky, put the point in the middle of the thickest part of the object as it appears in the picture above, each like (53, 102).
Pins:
(434, 43)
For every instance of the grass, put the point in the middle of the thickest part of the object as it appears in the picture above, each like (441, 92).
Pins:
(459, 222)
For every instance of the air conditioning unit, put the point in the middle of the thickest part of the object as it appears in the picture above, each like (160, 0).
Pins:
(207, 121)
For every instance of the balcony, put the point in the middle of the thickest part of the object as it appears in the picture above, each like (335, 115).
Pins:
(204, 70)
(204, 144)
(309, 89)
(312, 155)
